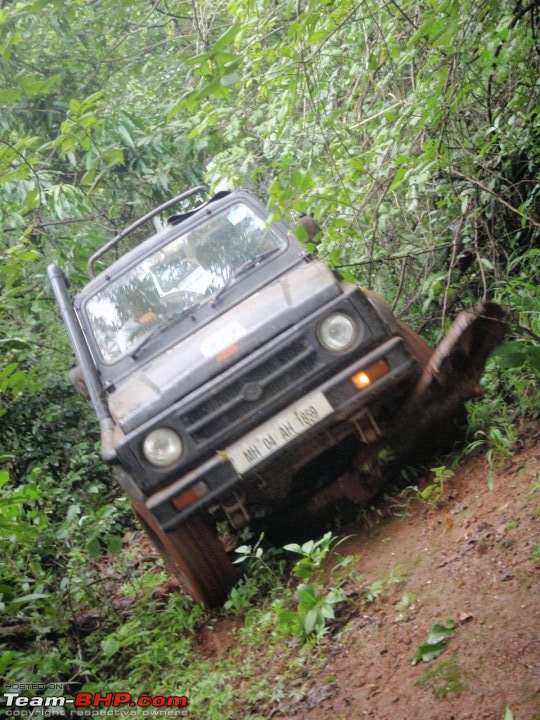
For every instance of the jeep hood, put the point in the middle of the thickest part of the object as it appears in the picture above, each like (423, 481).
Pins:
(205, 353)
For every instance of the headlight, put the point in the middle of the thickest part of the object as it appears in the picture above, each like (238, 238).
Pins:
(162, 447)
(337, 332)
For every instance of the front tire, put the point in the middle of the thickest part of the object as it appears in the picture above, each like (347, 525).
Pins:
(193, 553)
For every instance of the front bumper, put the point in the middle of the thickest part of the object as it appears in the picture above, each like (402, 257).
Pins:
(219, 475)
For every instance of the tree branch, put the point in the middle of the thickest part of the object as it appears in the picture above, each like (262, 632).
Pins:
(456, 173)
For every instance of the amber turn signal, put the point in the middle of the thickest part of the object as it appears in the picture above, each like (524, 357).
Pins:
(364, 378)
(188, 497)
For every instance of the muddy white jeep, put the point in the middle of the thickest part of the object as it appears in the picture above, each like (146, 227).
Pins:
(222, 360)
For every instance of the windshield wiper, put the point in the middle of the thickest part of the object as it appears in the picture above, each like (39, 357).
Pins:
(168, 321)
(161, 326)
(251, 263)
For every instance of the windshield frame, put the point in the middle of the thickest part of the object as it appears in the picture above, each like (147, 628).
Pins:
(154, 244)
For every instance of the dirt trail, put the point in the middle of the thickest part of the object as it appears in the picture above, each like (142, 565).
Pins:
(473, 559)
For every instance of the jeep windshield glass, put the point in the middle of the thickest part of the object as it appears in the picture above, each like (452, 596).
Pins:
(178, 277)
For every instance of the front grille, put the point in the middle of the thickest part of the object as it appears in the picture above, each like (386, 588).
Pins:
(226, 405)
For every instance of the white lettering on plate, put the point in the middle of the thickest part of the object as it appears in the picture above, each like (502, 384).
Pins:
(278, 431)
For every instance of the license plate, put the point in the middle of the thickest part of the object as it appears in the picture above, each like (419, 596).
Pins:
(272, 435)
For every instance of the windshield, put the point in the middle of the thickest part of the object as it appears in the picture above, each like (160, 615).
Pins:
(178, 277)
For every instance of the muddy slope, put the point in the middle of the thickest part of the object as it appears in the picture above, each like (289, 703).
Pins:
(472, 558)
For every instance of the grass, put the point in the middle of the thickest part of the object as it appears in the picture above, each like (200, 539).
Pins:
(444, 677)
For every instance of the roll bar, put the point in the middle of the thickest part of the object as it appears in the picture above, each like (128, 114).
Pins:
(121, 235)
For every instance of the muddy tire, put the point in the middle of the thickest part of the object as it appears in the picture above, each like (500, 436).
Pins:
(194, 554)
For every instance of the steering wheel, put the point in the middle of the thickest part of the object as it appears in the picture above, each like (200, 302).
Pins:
(183, 297)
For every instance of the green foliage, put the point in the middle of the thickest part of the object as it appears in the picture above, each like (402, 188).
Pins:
(313, 609)
(141, 648)
(511, 378)
(369, 115)
(304, 610)
(375, 589)
(443, 678)
(500, 443)
(436, 642)
(313, 554)
(81, 151)
(407, 599)
(433, 491)
(263, 569)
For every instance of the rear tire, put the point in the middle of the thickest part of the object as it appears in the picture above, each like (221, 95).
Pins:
(193, 553)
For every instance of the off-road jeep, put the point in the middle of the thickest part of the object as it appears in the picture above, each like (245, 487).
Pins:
(222, 359)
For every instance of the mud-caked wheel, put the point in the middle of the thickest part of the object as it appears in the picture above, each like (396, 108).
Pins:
(193, 553)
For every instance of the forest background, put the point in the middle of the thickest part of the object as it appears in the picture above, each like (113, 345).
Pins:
(408, 129)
